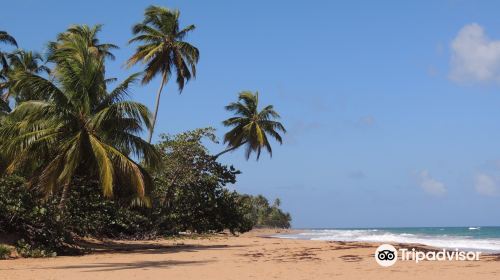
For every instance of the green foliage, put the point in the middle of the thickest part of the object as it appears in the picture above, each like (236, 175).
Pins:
(4, 252)
(35, 222)
(89, 213)
(251, 127)
(190, 191)
(164, 50)
(33, 251)
(20, 62)
(264, 215)
(76, 125)
(5, 38)
(190, 194)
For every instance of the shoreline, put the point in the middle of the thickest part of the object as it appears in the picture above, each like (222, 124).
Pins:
(398, 244)
(253, 255)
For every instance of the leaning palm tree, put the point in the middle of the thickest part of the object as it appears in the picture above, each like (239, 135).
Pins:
(164, 50)
(251, 127)
(80, 128)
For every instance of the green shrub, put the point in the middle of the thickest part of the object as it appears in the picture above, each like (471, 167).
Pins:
(190, 190)
(88, 213)
(33, 251)
(4, 252)
(23, 213)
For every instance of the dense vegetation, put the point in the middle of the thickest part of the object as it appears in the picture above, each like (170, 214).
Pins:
(72, 160)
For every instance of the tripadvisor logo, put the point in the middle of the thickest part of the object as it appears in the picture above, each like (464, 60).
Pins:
(386, 255)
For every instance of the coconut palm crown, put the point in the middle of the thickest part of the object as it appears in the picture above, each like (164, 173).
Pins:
(163, 50)
(251, 127)
(22, 61)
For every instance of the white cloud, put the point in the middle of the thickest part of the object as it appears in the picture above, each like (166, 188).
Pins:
(431, 185)
(475, 57)
(485, 185)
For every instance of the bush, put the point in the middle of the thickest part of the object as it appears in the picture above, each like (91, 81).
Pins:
(4, 252)
(28, 250)
(190, 190)
(88, 213)
(36, 222)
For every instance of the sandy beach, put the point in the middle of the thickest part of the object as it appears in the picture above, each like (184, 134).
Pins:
(249, 256)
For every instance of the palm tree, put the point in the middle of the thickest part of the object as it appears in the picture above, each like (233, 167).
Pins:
(86, 36)
(6, 39)
(22, 61)
(80, 128)
(164, 50)
(251, 127)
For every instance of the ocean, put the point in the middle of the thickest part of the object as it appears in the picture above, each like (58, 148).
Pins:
(484, 239)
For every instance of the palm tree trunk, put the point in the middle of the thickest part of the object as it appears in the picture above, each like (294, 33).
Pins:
(158, 95)
(64, 198)
(229, 149)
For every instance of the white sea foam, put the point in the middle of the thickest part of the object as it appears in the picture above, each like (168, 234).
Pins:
(439, 241)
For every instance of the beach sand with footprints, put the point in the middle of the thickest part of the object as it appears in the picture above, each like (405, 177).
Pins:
(253, 255)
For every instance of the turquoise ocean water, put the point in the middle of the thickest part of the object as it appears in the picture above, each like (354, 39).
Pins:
(486, 239)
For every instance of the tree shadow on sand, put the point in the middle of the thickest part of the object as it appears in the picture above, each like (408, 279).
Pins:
(103, 267)
(112, 247)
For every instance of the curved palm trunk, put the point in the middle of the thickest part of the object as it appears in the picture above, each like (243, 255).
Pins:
(158, 95)
(229, 149)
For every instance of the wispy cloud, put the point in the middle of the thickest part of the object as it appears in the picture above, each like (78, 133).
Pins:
(367, 121)
(357, 174)
(299, 129)
(485, 185)
(475, 57)
(431, 185)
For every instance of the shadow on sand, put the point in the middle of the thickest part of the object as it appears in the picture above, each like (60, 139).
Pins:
(103, 267)
(117, 247)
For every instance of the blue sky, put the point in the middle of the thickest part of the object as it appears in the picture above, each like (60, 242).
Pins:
(392, 108)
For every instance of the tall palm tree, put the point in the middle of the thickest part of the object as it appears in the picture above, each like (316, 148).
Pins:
(164, 50)
(81, 127)
(251, 127)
